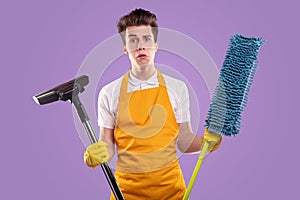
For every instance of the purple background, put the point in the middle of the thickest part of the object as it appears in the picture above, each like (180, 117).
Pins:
(43, 44)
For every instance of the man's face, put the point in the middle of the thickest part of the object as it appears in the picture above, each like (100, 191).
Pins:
(140, 45)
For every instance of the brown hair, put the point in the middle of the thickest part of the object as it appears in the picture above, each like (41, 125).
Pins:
(138, 17)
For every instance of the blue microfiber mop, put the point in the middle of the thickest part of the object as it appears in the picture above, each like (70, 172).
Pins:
(230, 95)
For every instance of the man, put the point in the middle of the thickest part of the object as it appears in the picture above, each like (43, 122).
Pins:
(145, 114)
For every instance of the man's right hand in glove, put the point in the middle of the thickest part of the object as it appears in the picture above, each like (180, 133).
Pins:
(96, 154)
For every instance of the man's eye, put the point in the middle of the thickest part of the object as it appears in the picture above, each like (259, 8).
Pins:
(147, 39)
(133, 40)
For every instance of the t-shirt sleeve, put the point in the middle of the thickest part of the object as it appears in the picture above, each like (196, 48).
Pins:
(183, 109)
(106, 116)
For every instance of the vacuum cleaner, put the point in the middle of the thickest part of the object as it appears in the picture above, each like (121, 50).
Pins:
(69, 91)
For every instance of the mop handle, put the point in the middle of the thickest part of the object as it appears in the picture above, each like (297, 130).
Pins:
(196, 170)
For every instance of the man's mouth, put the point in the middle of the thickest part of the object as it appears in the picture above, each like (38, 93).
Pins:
(142, 56)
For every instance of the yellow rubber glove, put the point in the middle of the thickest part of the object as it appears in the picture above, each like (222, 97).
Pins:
(214, 140)
(96, 154)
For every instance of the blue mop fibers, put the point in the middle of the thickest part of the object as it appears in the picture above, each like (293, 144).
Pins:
(236, 76)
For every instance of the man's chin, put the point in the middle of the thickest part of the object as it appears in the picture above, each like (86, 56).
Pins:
(144, 64)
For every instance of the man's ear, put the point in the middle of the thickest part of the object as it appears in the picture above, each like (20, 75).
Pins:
(156, 46)
(124, 49)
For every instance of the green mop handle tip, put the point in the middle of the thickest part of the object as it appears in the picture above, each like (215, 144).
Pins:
(196, 170)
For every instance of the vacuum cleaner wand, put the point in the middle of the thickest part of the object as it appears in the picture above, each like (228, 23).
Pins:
(69, 91)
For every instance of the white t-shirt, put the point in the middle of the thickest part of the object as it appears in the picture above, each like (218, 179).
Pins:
(108, 98)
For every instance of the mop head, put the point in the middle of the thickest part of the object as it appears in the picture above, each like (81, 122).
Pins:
(236, 76)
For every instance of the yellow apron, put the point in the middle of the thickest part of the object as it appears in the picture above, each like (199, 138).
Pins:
(145, 137)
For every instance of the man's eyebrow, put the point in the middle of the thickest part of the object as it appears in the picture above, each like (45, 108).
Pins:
(132, 35)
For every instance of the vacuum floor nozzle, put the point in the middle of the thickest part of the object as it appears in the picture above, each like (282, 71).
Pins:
(62, 92)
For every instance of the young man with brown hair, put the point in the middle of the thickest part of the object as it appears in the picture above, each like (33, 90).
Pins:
(145, 114)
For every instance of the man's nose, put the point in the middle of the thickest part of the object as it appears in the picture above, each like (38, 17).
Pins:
(140, 45)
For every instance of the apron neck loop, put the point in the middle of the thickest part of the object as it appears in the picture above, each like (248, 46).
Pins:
(124, 84)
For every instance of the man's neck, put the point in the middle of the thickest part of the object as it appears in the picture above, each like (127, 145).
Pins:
(143, 73)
